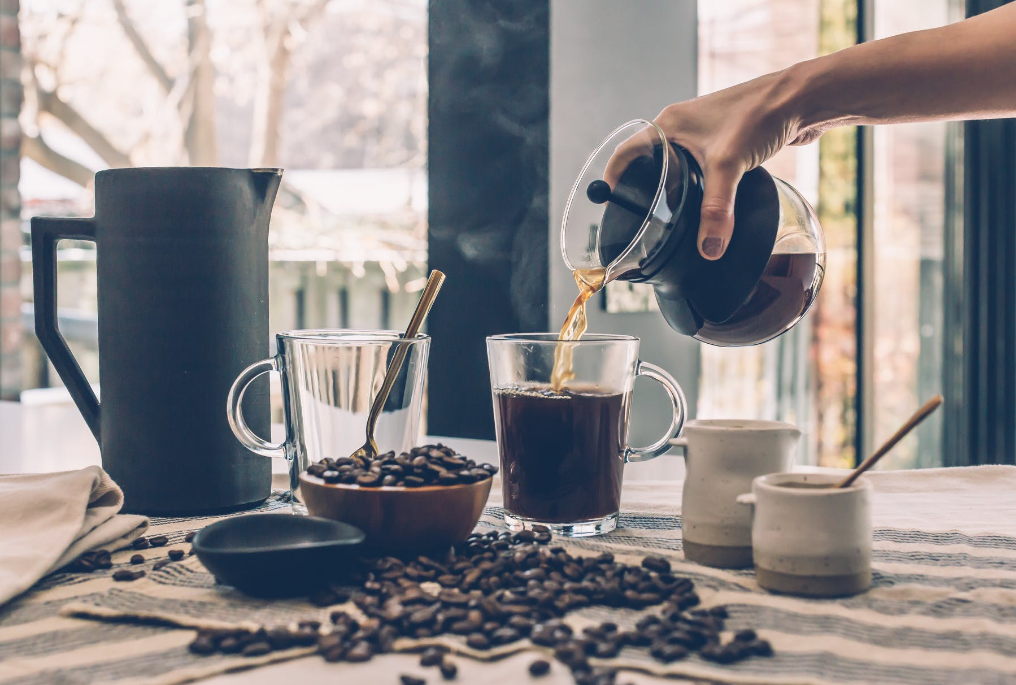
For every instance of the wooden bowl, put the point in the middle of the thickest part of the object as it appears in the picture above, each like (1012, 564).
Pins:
(399, 518)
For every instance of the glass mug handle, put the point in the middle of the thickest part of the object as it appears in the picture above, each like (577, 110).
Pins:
(234, 411)
(678, 405)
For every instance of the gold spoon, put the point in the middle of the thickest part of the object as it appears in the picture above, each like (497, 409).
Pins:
(920, 415)
(434, 283)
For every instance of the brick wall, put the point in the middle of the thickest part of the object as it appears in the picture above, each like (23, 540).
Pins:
(10, 201)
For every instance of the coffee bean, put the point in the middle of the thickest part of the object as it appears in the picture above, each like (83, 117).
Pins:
(538, 668)
(658, 564)
(176, 554)
(141, 543)
(360, 651)
(257, 649)
(127, 575)
(667, 653)
(158, 541)
(431, 657)
(137, 559)
(411, 680)
(745, 635)
(448, 669)
(504, 636)
(189, 537)
(202, 645)
(718, 653)
(230, 645)
(478, 641)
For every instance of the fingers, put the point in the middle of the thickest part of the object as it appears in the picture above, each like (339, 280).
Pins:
(716, 219)
(639, 144)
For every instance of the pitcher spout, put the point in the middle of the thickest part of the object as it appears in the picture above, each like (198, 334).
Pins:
(266, 184)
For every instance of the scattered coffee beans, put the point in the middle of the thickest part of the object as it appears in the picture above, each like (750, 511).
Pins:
(176, 554)
(427, 465)
(189, 537)
(141, 543)
(158, 541)
(125, 574)
(497, 588)
(137, 559)
(91, 561)
(411, 680)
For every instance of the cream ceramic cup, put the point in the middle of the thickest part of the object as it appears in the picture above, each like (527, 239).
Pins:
(721, 459)
(809, 537)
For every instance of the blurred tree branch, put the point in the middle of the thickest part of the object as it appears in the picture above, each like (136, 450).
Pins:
(273, 73)
(36, 149)
(51, 103)
(141, 46)
(200, 136)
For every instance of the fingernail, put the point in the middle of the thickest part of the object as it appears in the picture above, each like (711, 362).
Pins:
(712, 247)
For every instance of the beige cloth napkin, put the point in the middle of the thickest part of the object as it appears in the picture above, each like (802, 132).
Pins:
(49, 519)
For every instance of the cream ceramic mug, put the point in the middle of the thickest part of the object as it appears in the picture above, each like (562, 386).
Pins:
(811, 538)
(722, 457)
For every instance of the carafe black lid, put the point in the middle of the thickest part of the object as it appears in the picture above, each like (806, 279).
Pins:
(690, 288)
(718, 288)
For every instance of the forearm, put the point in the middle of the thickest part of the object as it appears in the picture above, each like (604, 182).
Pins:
(965, 70)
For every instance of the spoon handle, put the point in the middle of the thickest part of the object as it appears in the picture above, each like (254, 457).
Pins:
(920, 415)
(430, 292)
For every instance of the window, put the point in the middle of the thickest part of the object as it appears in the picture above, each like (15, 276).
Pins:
(810, 375)
(807, 375)
(913, 168)
(319, 87)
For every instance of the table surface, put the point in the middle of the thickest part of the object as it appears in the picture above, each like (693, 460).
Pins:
(47, 434)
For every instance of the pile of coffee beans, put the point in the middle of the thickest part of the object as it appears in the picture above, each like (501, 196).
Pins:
(498, 588)
(426, 465)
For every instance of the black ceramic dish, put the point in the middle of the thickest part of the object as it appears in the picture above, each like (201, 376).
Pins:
(277, 555)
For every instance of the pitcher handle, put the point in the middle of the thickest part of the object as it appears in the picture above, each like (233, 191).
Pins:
(234, 411)
(678, 405)
(46, 232)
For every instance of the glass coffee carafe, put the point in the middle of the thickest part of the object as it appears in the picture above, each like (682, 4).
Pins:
(633, 215)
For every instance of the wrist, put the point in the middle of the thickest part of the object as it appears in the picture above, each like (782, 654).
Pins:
(798, 95)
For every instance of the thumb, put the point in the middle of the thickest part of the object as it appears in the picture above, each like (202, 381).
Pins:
(716, 219)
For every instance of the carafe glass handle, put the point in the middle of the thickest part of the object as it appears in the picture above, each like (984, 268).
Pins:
(678, 405)
(234, 411)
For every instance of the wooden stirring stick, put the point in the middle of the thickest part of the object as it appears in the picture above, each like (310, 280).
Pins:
(920, 415)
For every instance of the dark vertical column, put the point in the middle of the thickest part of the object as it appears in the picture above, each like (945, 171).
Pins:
(488, 160)
(989, 340)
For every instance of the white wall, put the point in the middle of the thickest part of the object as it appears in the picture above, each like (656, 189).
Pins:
(611, 62)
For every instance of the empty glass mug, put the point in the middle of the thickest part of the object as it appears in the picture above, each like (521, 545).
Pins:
(329, 380)
(563, 451)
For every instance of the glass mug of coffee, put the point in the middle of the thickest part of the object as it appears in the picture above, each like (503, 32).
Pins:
(563, 451)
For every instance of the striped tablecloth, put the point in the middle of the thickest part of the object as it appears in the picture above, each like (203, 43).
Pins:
(942, 609)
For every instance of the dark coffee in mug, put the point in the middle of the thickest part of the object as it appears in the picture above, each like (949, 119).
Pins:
(562, 452)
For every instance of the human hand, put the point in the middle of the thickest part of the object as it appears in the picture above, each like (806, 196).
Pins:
(728, 133)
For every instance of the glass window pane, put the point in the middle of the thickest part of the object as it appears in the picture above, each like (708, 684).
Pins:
(910, 214)
(807, 375)
(334, 92)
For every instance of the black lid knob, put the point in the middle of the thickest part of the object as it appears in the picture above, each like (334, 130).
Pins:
(599, 192)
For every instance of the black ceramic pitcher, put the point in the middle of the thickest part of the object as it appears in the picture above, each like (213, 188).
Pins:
(182, 261)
